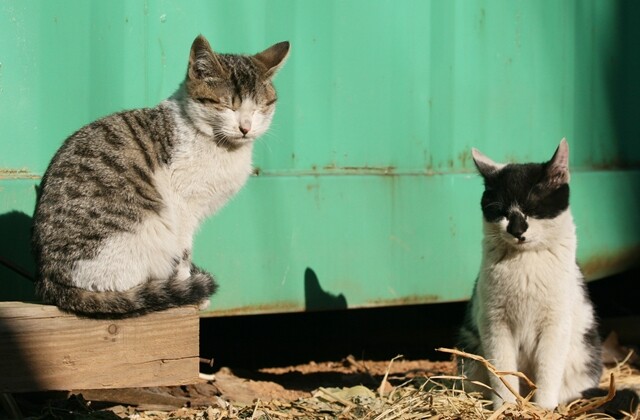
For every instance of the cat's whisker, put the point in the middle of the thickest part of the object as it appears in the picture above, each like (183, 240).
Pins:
(269, 139)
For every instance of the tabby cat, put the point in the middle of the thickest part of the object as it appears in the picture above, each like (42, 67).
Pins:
(530, 311)
(122, 198)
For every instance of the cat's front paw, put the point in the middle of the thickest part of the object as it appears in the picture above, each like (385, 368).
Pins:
(498, 401)
(204, 304)
(548, 402)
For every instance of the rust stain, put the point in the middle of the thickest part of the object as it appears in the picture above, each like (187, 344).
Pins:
(6, 173)
(430, 164)
(612, 165)
(606, 264)
(377, 170)
(288, 307)
(255, 309)
(447, 167)
(452, 226)
(407, 300)
(464, 157)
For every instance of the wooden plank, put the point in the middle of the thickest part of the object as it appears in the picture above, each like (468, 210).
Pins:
(42, 348)
(133, 396)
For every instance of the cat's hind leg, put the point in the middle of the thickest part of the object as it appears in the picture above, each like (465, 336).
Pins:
(194, 285)
(473, 372)
(183, 268)
(198, 287)
(584, 366)
(476, 377)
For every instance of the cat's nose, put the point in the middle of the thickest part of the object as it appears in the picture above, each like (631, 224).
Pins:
(244, 129)
(517, 227)
(517, 231)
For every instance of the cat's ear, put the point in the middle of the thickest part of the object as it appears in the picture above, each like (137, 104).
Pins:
(203, 63)
(558, 166)
(274, 57)
(485, 166)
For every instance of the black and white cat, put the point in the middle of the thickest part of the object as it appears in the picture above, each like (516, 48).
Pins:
(530, 311)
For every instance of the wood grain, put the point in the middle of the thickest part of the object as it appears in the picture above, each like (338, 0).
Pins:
(42, 348)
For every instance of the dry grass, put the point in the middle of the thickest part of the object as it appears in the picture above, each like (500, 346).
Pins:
(523, 408)
(430, 398)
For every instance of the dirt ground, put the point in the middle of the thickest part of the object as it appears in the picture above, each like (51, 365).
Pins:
(264, 369)
(323, 390)
(300, 381)
(230, 389)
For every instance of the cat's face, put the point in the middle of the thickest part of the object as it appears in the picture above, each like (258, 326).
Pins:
(230, 96)
(522, 204)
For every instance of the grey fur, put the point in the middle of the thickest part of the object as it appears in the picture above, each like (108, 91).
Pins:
(103, 182)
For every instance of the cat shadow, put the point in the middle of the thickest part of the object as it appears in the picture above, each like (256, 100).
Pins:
(316, 299)
(17, 266)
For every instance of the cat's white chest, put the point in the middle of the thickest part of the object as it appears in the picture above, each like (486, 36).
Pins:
(204, 176)
(534, 282)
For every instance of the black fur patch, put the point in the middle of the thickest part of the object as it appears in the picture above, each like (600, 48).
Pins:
(526, 186)
(468, 335)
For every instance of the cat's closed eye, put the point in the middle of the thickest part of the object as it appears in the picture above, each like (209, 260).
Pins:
(208, 101)
(493, 211)
(492, 206)
(548, 204)
(271, 102)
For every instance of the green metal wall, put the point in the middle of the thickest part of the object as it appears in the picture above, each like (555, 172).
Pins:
(365, 192)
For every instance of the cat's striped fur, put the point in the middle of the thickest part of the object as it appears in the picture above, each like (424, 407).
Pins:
(123, 196)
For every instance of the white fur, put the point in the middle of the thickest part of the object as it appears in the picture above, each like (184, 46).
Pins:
(533, 313)
(128, 259)
(226, 123)
(203, 175)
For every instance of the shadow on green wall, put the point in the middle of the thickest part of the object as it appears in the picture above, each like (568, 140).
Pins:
(316, 299)
(623, 73)
(15, 251)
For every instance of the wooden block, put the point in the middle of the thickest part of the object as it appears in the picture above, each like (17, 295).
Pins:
(42, 348)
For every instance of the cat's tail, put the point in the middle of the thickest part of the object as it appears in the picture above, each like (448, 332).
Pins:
(624, 401)
(154, 295)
